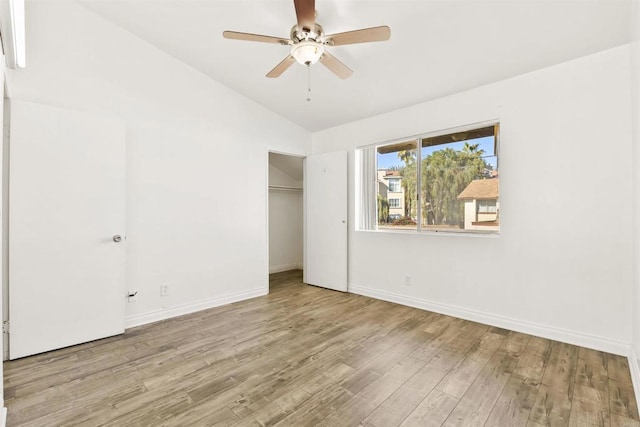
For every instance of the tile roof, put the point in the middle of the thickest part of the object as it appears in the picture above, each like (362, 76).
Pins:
(481, 189)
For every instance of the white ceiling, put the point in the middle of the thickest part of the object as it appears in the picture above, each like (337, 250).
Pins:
(437, 48)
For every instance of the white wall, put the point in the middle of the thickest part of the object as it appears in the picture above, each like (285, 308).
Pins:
(285, 222)
(196, 199)
(565, 150)
(285, 230)
(635, 98)
(4, 118)
(278, 177)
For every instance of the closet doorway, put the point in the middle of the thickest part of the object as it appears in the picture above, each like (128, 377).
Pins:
(285, 214)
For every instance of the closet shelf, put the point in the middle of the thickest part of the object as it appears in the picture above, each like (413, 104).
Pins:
(284, 188)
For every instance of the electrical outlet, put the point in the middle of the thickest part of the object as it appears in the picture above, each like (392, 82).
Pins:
(407, 280)
(131, 296)
(164, 290)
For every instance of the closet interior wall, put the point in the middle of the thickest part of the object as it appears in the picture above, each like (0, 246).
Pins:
(285, 212)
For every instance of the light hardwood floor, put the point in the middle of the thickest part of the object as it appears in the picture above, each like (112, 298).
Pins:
(306, 356)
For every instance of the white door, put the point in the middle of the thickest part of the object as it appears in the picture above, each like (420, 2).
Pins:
(325, 210)
(66, 207)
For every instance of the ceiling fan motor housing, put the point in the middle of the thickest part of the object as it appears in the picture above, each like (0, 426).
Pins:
(303, 34)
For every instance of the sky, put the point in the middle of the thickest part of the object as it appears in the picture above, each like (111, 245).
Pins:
(385, 161)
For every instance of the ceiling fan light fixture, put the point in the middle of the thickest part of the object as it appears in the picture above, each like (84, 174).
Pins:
(307, 52)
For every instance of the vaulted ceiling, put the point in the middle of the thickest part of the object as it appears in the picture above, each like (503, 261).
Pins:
(436, 48)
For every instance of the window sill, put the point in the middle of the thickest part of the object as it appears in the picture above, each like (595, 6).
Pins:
(474, 234)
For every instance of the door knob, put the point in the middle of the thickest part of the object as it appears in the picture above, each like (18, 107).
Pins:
(117, 238)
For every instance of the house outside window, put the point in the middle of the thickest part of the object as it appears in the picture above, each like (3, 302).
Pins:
(390, 209)
(481, 207)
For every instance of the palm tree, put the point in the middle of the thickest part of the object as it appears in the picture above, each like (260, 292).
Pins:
(472, 149)
(407, 172)
(407, 156)
(383, 210)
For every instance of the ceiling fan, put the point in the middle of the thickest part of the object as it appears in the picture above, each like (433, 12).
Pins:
(308, 41)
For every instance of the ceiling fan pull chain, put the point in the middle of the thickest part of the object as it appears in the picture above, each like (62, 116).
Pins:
(308, 82)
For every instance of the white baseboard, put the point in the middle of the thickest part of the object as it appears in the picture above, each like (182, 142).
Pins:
(157, 315)
(558, 334)
(635, 372)
(3, 417)
(284, 267)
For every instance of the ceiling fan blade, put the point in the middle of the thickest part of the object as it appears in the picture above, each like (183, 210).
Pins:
(306, 13)
(335, 65)
(235, 35)
(365, 35)
(281, 67)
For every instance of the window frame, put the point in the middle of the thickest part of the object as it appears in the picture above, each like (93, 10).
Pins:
(417, 139)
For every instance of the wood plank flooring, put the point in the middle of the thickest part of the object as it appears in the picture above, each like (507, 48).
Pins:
(306, 356)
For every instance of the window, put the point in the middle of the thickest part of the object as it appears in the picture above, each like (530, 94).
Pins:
(487, 206)
(449, 181)
(392, 172)
(394, 185)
